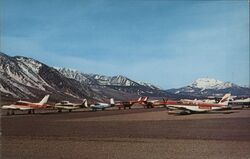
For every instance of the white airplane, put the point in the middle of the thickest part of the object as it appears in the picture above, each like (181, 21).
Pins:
(188, 107)
(102, 106)
(66, 105)
(24, 105)
(243, 102)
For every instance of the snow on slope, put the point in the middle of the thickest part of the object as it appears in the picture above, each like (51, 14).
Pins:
(148, 85)
(30, 70)
(19, 72)
(102, 79)
(73, 74)
(30, 63)
(115, 80)
(210, 86)
(210, 83)
(97, 79)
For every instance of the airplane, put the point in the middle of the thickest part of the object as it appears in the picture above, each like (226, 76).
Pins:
(66, 105)
(243, 102)
(211, 101)
(102, 106)
(188, 107)
(25, 105)
(128, 104)
(149, 104)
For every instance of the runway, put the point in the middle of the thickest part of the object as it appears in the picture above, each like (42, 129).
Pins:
(134, 134)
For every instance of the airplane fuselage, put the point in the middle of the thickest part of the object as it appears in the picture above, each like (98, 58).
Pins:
(194, 106)
(100, 106)
(24, 106)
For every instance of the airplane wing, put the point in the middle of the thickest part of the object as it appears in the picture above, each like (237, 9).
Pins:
(67, 107)
(172, 107)
(8, 107)
(179, 110)
(25, 108)
(101, 103)
(15, 107)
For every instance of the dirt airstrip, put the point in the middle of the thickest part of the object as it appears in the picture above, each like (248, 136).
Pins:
(123, 134)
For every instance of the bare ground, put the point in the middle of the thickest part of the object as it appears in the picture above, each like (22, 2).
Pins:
(135, 134)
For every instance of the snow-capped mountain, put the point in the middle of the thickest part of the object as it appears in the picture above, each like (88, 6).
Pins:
(17, 72)
(97, 79)
(118, 84)
(114, 80)
(149, 85)
(22, 77)
(210, 83)
(77, 75)
(103, 80)
(210, 87)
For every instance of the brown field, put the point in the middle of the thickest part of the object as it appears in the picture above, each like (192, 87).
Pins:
(126, 134)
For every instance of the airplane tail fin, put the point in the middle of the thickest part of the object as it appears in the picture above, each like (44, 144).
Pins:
(139, 99)
(145, 99)
(225, 99)
(112, 101)
(165, 102)
(85, 103)
(163, 99)
(44, 100)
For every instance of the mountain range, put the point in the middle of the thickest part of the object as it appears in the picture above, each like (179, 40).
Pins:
(204, 87)
(26, 78)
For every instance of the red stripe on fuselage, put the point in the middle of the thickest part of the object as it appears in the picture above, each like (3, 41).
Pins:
(32, 106)
(200, 105)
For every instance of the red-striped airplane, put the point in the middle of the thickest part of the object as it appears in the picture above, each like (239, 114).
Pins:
(128, 104)
(149, 104)
(188, 107)
(24, 105)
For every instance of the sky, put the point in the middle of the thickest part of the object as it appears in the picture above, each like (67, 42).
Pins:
(164, 42)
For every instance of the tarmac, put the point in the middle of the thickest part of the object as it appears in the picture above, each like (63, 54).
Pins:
(126, 134)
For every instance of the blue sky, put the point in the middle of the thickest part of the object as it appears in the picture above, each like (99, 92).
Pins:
(167, 43)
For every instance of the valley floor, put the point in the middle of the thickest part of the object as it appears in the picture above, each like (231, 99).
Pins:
(134, 134)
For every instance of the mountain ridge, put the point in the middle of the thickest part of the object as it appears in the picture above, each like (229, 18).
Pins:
(27, 78)
(23, 77)
(210, 87)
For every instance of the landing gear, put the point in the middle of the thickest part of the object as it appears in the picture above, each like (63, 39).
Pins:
(31, 111)
(149, 106)
(185, 112)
